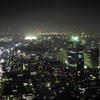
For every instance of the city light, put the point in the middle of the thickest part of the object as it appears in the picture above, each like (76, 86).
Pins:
(47, 66)
(85, 67)
(18, 51)
(66, 62)
(75, 38)
(2, 61)
(49, 50)
(30, 38)
(98, 67)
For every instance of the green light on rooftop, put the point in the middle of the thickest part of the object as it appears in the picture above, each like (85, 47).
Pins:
(75, 38)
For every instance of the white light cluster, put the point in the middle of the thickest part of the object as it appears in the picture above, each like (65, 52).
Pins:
(2, 61)
(30, 38)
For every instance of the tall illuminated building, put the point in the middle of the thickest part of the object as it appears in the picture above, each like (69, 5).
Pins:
(87, 59)
(80, 60)
(75, 55)
(91, 58)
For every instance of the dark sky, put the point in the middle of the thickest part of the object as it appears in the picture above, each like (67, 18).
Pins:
(50, 15)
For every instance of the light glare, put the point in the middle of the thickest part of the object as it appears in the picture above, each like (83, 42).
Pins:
(30, 38)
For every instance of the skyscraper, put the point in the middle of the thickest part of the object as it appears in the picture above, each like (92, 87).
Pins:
(75, 55)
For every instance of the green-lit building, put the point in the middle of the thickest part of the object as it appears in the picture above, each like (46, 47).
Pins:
(61, 56)
(91, 58)
(75, 54)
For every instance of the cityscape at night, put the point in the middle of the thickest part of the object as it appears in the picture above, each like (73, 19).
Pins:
(49, 50)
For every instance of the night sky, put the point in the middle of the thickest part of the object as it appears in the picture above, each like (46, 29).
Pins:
(50, 15)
